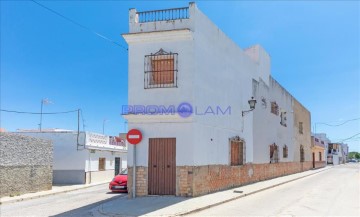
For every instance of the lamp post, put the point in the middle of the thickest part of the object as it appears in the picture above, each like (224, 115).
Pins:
(43, 101)
(104, 121)
(252, 103)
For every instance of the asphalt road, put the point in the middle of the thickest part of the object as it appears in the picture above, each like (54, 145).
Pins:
(75, 203)
(335, 192)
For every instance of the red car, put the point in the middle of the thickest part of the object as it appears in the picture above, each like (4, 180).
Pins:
(119, 182)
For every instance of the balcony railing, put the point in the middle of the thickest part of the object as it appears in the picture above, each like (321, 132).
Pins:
(163, 15)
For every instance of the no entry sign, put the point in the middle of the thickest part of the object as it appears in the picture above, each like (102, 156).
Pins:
(134, 136)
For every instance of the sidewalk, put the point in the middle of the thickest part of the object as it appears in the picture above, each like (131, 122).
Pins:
(53, 191)
(178, 206)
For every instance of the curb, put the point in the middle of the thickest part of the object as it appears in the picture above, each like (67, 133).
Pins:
(49, 194)
(244, 195)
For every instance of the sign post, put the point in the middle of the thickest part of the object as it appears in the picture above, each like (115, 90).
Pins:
(134, 137)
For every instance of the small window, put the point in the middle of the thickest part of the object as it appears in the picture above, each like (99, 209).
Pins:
(302, 154)
(274, 108)
(322, 142)
(301, 127)
(285, 151)
(237, 153)
(102, 164)
(160, 70)
(316, 140)
(283, 119)
(274, 153)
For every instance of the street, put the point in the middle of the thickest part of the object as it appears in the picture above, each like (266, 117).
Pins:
(79, 202)
(334, 192)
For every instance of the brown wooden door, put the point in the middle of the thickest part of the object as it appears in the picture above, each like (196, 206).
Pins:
(162, 166)
(236, 153)
(313, 159)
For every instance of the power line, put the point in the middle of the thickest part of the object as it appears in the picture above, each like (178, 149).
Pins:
(37, 113)
(80, 25)
(350, 137)
(336, 125)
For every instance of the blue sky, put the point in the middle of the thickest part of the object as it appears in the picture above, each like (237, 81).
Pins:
(314, 48)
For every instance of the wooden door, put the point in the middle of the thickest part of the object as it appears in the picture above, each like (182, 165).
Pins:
(313, 159)
(162, 166)
(237, 152)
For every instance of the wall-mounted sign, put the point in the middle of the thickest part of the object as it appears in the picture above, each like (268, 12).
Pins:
(134, 136)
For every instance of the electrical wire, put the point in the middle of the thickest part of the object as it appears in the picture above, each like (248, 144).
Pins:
(80, 25)
(336, 125)
(37, 113)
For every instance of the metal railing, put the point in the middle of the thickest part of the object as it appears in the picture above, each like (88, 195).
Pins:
(163, 15)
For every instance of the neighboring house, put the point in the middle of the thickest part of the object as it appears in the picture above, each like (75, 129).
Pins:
(190, 87)
(318, 152)
(83, 157)
(25, 164)
(335, 154)
(326, 141)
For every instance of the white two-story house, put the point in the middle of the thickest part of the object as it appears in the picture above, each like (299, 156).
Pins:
(192, 92)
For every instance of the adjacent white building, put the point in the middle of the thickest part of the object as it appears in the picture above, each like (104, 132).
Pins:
(83, 157)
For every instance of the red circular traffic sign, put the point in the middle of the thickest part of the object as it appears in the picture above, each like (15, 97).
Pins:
(134, 136)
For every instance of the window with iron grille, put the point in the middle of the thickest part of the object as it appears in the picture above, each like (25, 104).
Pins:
(283, 119)
(301, 127)
(285, 151)
(274, 153)
(274, 108)
(161, 70)
(102, 164)
(236, 153)
(302, 154)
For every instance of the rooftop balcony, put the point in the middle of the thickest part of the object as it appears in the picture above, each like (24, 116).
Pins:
(161, 20)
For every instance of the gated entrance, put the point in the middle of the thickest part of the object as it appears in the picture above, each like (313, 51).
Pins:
(162, 166)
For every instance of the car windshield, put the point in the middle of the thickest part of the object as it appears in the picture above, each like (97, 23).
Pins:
(123, 172)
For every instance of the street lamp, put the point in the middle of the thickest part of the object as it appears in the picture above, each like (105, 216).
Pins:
(252, 103)
(104, 121)
(45, 101)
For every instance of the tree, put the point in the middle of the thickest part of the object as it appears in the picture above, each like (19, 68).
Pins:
(354, 154)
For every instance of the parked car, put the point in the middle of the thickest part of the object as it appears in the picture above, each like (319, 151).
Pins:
(119, 182)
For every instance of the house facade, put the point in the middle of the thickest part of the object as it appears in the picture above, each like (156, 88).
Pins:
(189, 92)
(83, 157)
(318, 148)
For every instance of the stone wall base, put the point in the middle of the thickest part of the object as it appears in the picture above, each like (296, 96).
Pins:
(320, 164)
(17, 180)
(199, 180)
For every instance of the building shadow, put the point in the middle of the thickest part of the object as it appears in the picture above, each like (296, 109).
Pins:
(123, 206)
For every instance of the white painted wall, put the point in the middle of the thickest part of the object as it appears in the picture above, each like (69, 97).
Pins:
(109, 156)
(267, 127)
(66, 155)
(213, 71)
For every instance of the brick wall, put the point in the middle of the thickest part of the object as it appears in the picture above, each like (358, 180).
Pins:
(199, 180)
(25, 164)
(141, 181)
(320, 164)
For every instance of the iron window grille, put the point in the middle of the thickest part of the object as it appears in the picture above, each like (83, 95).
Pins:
(283, 119)
(161, 70)
(274, 153)
(274, 108)
(301, 128)
(302, 154)
(285, 151)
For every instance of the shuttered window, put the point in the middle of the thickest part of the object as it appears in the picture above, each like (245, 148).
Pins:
(102, 164)
(237, 153)
(163, 71)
